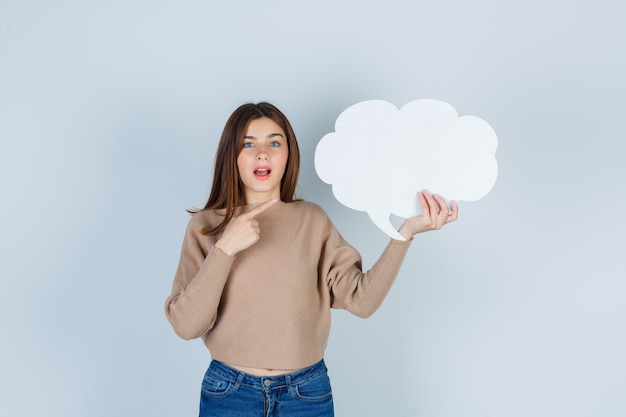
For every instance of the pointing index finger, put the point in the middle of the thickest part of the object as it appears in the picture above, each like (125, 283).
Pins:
(260, 208)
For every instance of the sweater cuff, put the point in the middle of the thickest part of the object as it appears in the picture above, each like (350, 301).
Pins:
(400, 243)
(218, 262)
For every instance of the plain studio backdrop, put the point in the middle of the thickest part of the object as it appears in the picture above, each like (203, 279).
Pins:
(110, 113)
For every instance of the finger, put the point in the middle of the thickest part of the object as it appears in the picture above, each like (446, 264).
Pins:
(423, 203)
(434, 208)
(259, 209)
(444, 210)
(454, 212)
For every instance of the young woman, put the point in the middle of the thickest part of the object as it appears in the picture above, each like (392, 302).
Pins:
(260, 270)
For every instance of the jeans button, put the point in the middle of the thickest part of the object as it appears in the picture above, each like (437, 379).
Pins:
(267, 382)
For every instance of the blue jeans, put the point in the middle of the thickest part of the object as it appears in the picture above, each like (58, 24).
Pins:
(227, 392)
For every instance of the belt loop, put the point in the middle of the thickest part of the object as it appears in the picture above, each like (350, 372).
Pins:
(290, 387)
(239, 380)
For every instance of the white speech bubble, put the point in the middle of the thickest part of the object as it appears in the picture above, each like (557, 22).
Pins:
(379, 157)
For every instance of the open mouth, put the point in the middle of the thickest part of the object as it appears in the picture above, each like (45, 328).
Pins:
(262, 172)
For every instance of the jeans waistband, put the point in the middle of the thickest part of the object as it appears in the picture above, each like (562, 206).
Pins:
(237, 377)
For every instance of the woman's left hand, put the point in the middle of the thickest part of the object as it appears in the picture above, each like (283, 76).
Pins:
(435, 214)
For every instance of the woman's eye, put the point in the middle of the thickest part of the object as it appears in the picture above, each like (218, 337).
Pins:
(274, 144)
(247, 144)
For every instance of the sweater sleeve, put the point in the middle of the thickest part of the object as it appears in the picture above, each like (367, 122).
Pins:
(198, 284)
(350, 288)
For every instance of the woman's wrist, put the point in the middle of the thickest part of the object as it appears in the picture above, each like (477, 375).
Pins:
(405, 232)
(224, 248)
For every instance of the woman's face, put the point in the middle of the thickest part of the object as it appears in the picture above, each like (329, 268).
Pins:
(262, 161)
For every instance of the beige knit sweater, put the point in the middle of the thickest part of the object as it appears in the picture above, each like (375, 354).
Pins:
(269, 306)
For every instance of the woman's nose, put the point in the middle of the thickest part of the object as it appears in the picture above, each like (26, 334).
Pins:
(262, 155)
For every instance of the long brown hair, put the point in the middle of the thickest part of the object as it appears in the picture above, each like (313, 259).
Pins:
(227, 188)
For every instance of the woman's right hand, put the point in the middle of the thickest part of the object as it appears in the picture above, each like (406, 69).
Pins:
(242, 231)
(435, 214)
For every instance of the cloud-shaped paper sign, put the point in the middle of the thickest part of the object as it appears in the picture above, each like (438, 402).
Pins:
(379, 157)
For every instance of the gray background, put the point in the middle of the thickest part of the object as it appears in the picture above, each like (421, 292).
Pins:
(109, 116)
